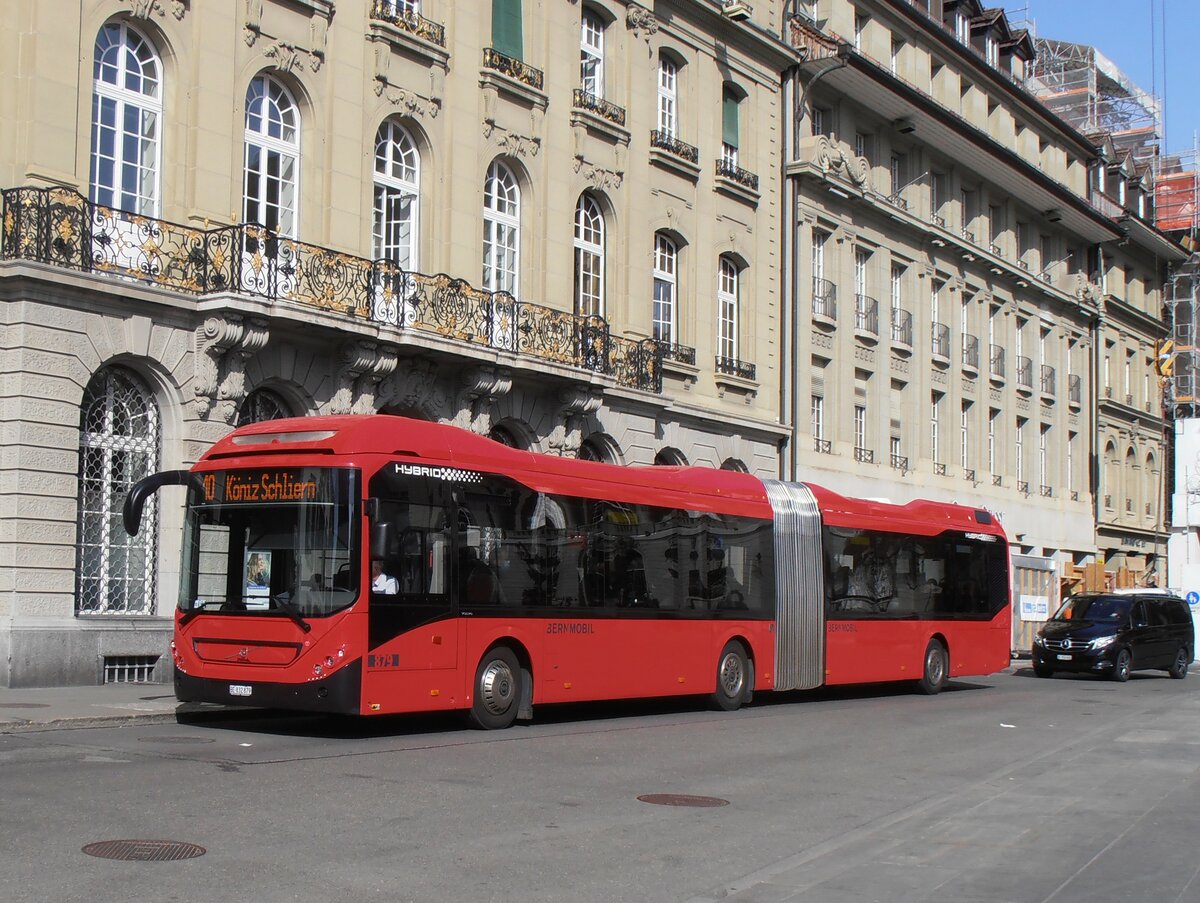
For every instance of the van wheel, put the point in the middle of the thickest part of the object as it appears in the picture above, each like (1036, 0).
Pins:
(1120, 671)
(497, 690)
(733, 677)
(936, 669)
(1183, 659)
(1042, 670)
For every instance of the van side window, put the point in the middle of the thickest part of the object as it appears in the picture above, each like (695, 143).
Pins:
(1156, 611)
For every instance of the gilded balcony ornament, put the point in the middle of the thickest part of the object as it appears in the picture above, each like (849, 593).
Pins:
(513, 68)
(413, 23)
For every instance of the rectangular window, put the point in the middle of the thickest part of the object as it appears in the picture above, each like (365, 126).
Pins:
(506, 28)
(729, 127)
(964, 431)
(993, 420)
(1019, 450)
(860, 426)
(667, 87)
(591, 55)
(817, 413)
(935, 436)
(897, 286)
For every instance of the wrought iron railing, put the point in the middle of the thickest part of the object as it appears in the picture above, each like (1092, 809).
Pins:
(1074, 495)
(823, 446)
(897, 201)
(969, 474)
(1074, 389)
(605, 109)
(967, 234)
(1107, 501)
(730, 170)
(866, 315)
(1023, 487)
(673, 351)
(997, 479)
(1048, 380)
(1024, 372)
(996, 361)
(824, 298)
(61, 228)
(1047, 492)
(900, 462)
(513, 68)
(672, 145)
(970, 352)
(902, 327)
(940, 338)
(413, 23)
(939, 469)
(864, 455)
(734, 367)
(996, 249)
(937, 220)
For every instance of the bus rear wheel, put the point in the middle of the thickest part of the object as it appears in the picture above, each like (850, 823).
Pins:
(935, 670)
(733, 677)
(497, 690)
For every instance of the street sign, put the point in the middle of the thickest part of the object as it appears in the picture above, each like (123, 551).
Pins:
(1193, 598)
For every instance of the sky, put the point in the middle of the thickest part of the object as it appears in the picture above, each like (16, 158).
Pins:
(1131, 33)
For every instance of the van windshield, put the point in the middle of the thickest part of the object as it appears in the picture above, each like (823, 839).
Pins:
(1093, 607)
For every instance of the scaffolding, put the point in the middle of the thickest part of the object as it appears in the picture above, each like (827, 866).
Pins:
(1089, 91)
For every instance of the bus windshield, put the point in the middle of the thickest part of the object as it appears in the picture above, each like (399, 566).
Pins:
(272, 541)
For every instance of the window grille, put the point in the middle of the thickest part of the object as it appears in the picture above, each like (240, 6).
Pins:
(129, 669)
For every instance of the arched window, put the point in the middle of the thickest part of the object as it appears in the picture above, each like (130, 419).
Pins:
(260, 405)
(734, 464)
(728, 312)
(666, 256)
(1150, 477)
(397, 195)
(591, 54)
(670, 457)
(501, 229)
(589, 258)
(504, 436)
(1131, 481)
(1111, 471)
(118, 445)
(272, 156)
(597, 448)
(126, 111)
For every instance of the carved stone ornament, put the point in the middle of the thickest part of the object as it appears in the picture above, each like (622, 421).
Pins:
(144, 9)
(641, 21)
(836, 157)
(223, 343)
(578, 402)
(287, 57)
(414, 386)
(409, 101)
(596, 176)
(363, 365)
(509, 142)
(479, 388)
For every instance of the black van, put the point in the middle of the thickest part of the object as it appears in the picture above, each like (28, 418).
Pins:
(1115, 633)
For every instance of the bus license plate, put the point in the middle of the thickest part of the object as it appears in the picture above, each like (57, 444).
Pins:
(1061, 657)
(240, 689)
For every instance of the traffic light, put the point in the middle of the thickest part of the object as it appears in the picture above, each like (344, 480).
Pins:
(1164, 357)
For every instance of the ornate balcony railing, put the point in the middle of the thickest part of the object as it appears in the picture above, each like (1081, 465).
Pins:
(996, 249)
(901, 327)
(937, 220)
(823, 446)
(940, 338)
(61, 228)
(939, 469)
(1074, 389)
(900, 463)
(897, 201)
(1048, 380)
(996, 361)
(605, 109)
(824, 299)
(1024, 372)
(1047, 492)
(969, 474)
(673, 351)
(730, 170)
(1074, 495)
(970, 352)
(866, 315)
(1023, 487)
(672, 145)
(513, 68)
(734, 367)
(864, 455)
(967, 234)
(997, 479)
(1107, 501)
(413, 23)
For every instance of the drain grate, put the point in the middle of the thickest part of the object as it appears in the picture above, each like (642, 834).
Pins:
(683, 799)
(144, 850)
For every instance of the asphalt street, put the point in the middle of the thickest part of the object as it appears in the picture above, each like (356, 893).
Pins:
(1007, 788)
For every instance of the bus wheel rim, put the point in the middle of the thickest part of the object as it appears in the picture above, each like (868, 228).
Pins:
(496, 687)
(732, 675)
(934, 666)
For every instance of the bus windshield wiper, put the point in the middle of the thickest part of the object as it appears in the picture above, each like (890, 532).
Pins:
(286, 606)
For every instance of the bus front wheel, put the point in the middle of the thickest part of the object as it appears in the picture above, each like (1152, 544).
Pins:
(935, 670)
(497, 690)
(733, 677)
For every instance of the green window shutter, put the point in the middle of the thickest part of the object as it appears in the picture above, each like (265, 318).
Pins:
(506, 27)
(729, 118)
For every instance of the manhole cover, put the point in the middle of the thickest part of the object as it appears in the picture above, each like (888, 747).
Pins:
(682, 799)
(176, 740)
(24, 705)
(144, 850)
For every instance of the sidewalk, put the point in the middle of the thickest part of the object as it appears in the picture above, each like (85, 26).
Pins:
(55, 708)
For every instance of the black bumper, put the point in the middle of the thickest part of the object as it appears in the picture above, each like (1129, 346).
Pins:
(340, 693)
(1080, 662)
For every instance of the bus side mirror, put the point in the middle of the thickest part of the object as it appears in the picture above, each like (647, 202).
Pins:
(135, 501)
(383, 535)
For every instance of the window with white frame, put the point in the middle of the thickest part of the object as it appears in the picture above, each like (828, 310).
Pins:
(730, 111)
(897, 287)
(935, 433)
(1044, 455)
(1071, 440)
(501, 229)
(591, 54)
(396, 196)
(727, 310)
(993, 423)
(860, 28)
(860, 426)
(818, 253)
(668, 86)
(1019, 450)
(272, 158)
(861, 256)
(589, 258)
(817, 416)
(964, 435)
(666, 260)
(126, 116)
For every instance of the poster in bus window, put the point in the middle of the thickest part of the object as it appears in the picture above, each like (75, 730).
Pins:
(258, 579)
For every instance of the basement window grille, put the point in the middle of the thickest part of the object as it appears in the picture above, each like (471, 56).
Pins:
(129, 669)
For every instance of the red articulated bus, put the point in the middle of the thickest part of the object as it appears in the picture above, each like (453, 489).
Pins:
(375, 564)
